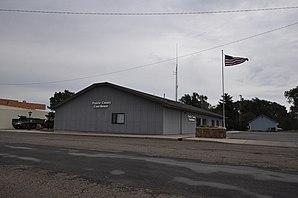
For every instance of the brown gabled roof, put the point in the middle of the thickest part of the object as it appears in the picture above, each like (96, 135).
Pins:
(165, 102)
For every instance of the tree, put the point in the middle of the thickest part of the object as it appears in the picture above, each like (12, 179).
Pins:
(255, 107)
(231, 111)
(59, 97)
(50, 120)
(292, 97)
(196, 100)
(239, 113)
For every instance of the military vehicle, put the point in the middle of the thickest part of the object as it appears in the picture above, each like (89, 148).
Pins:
(24, 122)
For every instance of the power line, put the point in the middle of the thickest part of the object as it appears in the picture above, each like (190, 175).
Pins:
(92, 76)
(155, 63)
(144, 13)
(240, 40)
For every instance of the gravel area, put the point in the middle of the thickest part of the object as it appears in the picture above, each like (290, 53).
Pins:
(27, 181)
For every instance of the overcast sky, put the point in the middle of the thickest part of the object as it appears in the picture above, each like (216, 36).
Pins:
(38, 48)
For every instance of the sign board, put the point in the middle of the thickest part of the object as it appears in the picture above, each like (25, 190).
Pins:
(101, 104)
(191, 118)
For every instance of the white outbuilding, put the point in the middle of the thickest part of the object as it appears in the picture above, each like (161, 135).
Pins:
(263, 123)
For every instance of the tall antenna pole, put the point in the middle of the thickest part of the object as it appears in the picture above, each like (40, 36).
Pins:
(176, 72)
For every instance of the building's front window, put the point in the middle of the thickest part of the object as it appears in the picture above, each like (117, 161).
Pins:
(204, 122)
(118, 118)
(198, 121)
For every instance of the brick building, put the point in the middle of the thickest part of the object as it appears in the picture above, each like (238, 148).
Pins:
(10, 109)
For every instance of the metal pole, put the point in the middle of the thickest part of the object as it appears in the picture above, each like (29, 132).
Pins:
(29, 126)
(240, 111)
(176, 86)
(223, 90)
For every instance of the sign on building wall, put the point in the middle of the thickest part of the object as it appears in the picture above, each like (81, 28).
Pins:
(191, 118)
(101, 104)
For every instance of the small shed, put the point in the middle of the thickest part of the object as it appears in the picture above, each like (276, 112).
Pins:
(263, 123)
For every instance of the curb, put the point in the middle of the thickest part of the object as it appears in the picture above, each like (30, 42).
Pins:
(176, 138)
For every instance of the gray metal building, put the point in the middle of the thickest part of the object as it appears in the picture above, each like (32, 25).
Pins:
(109, 108)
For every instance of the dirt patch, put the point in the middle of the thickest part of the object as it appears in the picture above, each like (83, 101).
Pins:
(27, 181)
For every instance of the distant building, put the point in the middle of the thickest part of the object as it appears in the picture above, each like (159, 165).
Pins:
(10, 109)
(110, 108)
(262, 123)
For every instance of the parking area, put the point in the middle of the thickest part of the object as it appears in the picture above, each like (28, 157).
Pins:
(264, 136)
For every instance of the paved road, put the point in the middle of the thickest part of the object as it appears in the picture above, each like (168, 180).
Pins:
(265, 136)
(166, 176)
(51, 165)
(281, 158)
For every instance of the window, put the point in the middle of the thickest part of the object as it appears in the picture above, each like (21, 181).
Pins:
(212, 122)
(198, 121)
(118, 118)
(217, 123)
(204, 122)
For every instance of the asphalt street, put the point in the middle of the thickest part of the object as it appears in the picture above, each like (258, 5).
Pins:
(188, 178)
(67, 165)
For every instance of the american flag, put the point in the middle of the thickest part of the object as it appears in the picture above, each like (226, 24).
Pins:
(230, 60)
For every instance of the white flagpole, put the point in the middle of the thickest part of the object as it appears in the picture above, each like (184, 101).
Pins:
(223, 89)
(176, 85)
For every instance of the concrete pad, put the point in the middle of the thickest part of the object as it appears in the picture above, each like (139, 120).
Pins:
(246, 142)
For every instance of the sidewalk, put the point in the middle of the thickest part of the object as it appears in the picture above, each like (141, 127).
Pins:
(185, 137)
(246, 142)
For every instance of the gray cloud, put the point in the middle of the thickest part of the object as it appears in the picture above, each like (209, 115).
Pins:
(46, 47)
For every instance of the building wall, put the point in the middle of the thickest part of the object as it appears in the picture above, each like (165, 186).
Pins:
(203, 120)
(172, 121)
(7, 114)
(262, 124)
(141, 116)
(182, 122)
(188, 123)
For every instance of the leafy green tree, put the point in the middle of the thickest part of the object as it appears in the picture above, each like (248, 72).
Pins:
(231, 111)
(59, 97)
(187, 99)
(196, 100)
(255, 107)
(239, 113)
(292, 98)
(50, 120)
